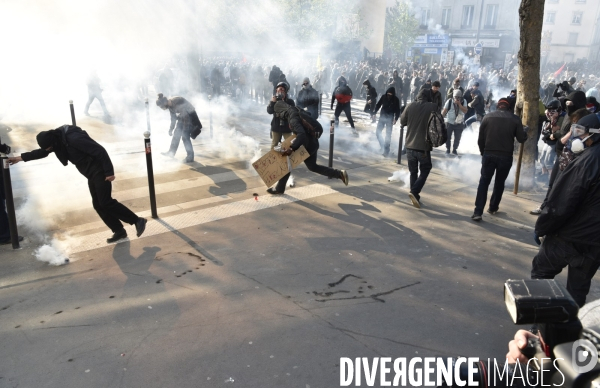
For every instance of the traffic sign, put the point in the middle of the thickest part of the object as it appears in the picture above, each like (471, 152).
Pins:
(478, 49)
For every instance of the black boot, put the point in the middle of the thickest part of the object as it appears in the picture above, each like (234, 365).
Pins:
(118, 235)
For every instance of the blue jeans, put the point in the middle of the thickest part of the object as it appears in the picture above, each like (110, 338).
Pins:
(418, 160)
(388, 122)
(457, 130)
(490, 164)
(182, 132)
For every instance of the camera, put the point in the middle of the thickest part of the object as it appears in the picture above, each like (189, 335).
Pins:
(566, 354)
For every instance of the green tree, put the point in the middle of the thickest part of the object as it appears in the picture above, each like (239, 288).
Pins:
(401, 28)
(315, 20)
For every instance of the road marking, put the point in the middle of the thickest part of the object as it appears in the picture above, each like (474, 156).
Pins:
(203, 216)
(159, 211)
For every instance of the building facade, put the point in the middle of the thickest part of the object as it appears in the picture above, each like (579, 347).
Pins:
(452, 29)
(571, 31)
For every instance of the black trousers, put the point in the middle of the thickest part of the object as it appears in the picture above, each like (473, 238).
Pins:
(347, 109)
(111, 211)
(311, 164)
(583, 262)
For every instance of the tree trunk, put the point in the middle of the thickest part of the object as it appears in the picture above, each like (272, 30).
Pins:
(531, 16)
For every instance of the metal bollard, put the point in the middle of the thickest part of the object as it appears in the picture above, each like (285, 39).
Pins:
(148, 148)
(320, 104)
(10, 204)
(331, 131)
(210, 116)
(72, 113)
(400, 144)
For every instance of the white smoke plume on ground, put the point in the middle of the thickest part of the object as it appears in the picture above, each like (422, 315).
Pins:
(53, 249)
(401, 176)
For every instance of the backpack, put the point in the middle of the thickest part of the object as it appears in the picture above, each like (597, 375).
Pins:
(436, 130)
(310, 124)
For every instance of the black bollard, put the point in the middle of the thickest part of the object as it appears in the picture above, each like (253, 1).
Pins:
(148, 148)
(210, 116)
(72, 112)
(331, 130)
(400, 144)
(10, 204)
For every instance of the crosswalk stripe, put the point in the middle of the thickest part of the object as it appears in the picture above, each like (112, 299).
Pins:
(199, 217)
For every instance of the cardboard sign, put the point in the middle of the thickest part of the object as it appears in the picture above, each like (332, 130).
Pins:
(273, 166)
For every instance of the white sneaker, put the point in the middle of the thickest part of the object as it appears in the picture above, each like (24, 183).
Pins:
(536, 212)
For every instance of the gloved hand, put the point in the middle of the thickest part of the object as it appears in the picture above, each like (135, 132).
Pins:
(536, 238)
(287, 152)
(170, 132)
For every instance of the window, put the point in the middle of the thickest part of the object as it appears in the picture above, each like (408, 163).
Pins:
(572, 39)
(425, 13)
(552, 1)
(467, 19)
(491, 16)
(550, 17)
(576, 18)
(446, 17)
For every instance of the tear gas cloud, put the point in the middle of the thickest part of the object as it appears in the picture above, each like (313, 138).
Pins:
(55, 46)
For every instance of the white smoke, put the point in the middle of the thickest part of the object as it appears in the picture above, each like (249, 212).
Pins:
(401, 176)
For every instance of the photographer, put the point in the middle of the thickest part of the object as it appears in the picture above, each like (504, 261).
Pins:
(569, 219)
(279, 126)
(454, 113)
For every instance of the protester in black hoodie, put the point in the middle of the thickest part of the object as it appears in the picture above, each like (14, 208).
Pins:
(390, 112)
(569, 220)
(371, 100)
(573, 102)
(310, 141)
(343, 95)
(72, 144)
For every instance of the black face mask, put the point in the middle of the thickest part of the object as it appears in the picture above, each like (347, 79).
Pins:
(571, 109)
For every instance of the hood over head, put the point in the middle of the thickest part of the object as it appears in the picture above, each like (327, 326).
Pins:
(578, 98)
(424, 95)
(342, 81)
(54, 138)
(392, 90)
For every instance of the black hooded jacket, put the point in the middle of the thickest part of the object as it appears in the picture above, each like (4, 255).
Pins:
(416, 118)
(390, 105)
(573, 205)
(371, 92)
(279, 124)
(342, 92)
(579, 101)
(295, 124)
(72, 144)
